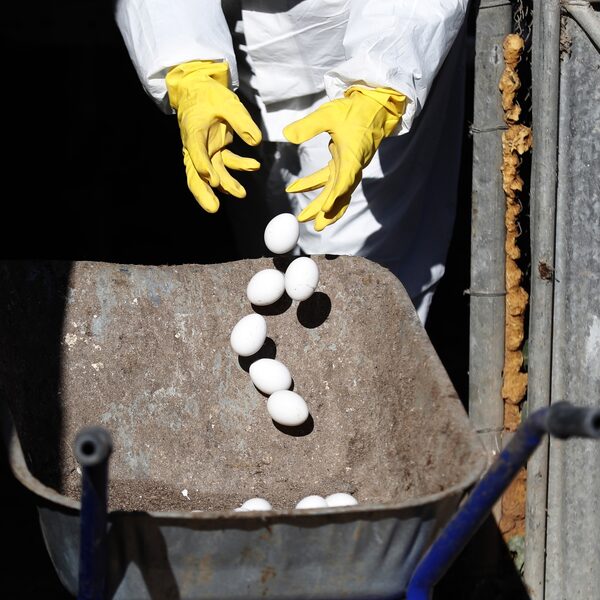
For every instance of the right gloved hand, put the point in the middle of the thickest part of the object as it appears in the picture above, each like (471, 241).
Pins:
(208, 112)
(357, 124)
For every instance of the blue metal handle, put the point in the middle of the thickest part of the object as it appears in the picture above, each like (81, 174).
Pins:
(92, 448)
(561, 420)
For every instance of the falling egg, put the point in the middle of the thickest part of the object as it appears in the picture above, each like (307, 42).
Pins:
(301, 278)
(287, 408)
(249, 335)
(282, 233)
(266, 287)
(270, 375)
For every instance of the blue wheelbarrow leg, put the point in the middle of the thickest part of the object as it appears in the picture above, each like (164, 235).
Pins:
(92, 448)
(561, 420)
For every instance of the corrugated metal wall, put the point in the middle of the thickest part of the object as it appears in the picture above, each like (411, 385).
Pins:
(562, 550)
(573, 509)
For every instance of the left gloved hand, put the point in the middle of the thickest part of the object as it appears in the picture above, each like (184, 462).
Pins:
(357, 124)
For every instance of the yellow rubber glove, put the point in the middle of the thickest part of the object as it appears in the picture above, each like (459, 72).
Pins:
(357, 124)
(208, 113)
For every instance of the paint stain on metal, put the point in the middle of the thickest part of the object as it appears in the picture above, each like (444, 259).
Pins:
(205, 569)
(196, 572)
(267, 534)
(266, 574)
(546, 271)
(357, 532)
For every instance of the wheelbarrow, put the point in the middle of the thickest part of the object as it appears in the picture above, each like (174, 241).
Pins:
(144, 353)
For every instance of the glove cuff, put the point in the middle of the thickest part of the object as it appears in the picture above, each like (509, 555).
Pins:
(392, 101)
(185, 76)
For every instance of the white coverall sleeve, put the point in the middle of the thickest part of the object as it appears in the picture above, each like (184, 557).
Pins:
(400, 44)
(160, 34)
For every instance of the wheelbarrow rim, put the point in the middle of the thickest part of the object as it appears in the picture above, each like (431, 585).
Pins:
(22, 473)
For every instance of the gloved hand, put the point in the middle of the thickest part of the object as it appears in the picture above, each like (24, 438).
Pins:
(208, 112)
(357, 124)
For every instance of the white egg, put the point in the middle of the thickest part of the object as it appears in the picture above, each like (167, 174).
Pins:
(340, 499)
(254, 504)
(266, 287)
(312, 502)
(282, 233)
(249, 335)
(301, 278)
(287, 408)
(270, 375)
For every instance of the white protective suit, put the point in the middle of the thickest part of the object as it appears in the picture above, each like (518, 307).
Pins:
(297, 54)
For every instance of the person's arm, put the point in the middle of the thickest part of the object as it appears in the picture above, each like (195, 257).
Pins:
(183, 54)
(161, 34)
(398, 44)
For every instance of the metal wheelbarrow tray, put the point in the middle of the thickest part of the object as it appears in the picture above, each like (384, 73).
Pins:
(144, 352)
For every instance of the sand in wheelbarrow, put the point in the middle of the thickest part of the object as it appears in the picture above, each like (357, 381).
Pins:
(144, 351)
